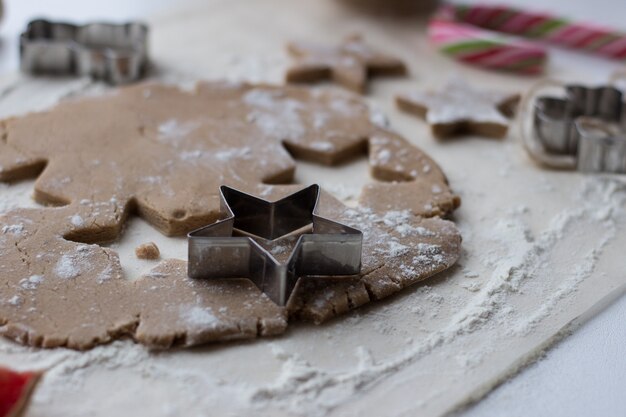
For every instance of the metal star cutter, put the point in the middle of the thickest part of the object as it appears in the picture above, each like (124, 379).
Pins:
(228, 248)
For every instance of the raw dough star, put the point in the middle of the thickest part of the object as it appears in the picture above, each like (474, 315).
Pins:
(461, 109)
(161, 153)
(350, 64)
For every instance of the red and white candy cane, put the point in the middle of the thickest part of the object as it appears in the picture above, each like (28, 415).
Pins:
(468, 33)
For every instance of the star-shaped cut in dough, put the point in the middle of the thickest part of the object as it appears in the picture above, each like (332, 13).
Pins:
(461, 109)
(349, 64)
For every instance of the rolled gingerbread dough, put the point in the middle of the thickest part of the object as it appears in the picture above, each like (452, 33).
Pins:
(161, 153)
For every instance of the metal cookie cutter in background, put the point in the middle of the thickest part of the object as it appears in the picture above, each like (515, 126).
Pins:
(585, 130)
(114, 53)
(227, 248)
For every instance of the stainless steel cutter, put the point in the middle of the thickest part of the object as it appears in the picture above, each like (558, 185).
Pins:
(114, 53)
(228, 248)
(585, 130)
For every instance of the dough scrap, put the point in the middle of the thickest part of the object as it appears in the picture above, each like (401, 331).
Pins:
(350, 64)
(148, 251)
(462, 109)
(161, 153)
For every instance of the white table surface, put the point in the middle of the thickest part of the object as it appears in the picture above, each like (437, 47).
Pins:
(584, 375)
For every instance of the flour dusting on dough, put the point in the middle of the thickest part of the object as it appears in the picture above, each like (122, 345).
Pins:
(13, 229)
(274, 114)
(32, 282)
(67, 267)
(173, 130)
(199, 317)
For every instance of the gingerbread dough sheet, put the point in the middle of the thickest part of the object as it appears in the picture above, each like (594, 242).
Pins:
(162, 153)
(539, 249)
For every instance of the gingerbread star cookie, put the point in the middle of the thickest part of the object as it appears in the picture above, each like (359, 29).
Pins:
(462, 109)
(350, 64)
(161, 153)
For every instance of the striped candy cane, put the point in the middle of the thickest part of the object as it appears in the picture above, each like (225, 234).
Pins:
(459, 30)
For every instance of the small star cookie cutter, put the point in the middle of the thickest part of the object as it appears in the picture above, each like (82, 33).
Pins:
(117, 54)
(228, 248)
(584, 130)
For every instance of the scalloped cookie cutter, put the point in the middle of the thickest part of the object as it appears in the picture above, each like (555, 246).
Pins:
(117, 54)
(228, 247)
(584, 130)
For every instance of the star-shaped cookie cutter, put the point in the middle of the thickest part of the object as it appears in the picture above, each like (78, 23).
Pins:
(585, 130)
(228, 248)
(114, 53)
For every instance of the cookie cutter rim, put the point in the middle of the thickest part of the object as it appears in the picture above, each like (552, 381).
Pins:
(215, 252)
(606, 143)
(115, 53)
(574, 149)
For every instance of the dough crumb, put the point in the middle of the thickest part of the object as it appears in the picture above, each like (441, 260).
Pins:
(147, 251)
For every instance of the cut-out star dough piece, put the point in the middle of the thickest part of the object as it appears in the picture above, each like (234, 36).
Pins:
(350, 64)
(462, 109)
(161, 153)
